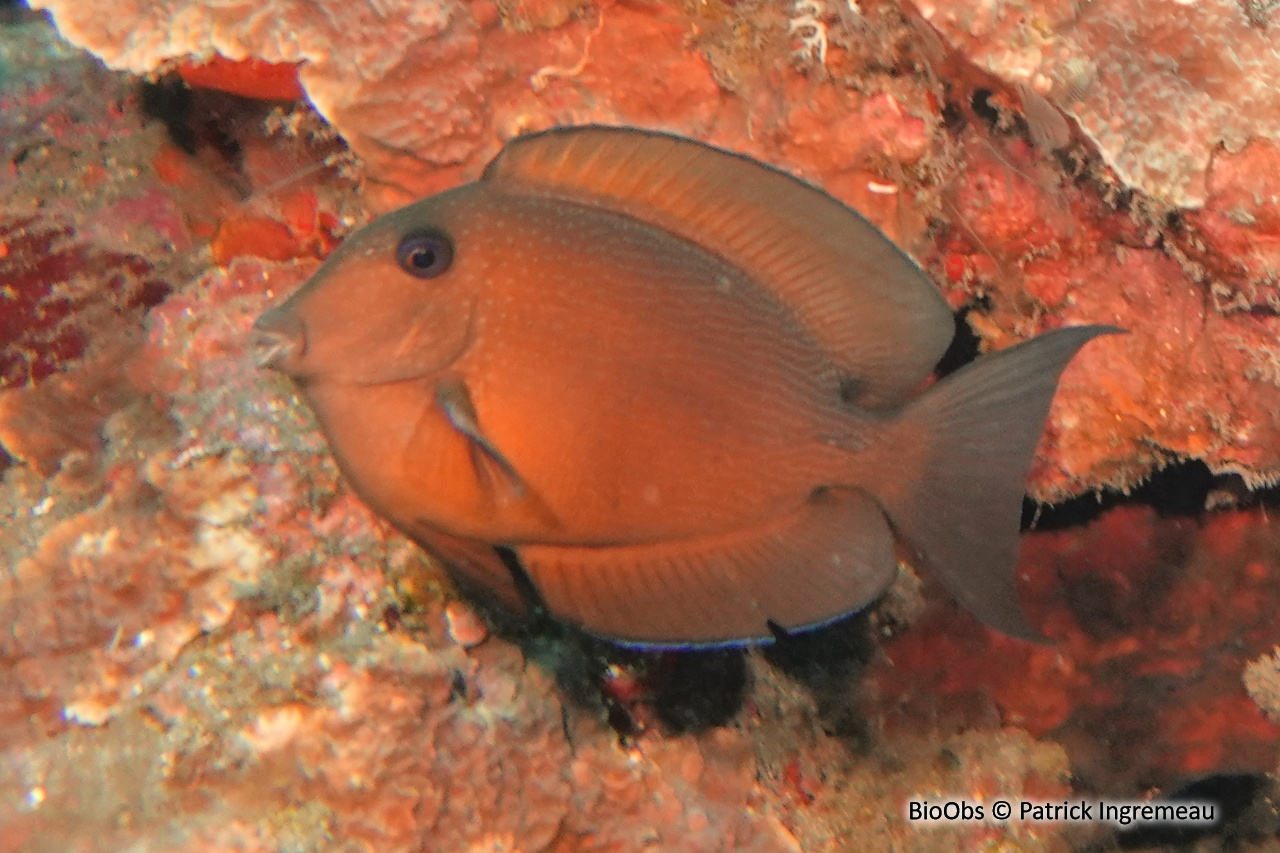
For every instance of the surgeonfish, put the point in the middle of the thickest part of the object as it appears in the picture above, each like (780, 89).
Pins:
(674, 387)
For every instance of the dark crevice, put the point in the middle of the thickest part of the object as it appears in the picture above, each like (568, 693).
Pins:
(1235, 796)
(206, 124)
(829, 663)
(680, 692)
(168, 101)
(14, 12)
(1180, 489)
(984, 109)
(524, 584)
(965, 345)
(953, 117)
(696, 691)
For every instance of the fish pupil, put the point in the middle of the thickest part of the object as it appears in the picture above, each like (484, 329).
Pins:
(425, 255)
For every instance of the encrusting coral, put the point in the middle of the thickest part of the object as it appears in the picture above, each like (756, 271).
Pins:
(211, 644)
(215, 613)
(202, 614)
(425, 94)
(1160, 86)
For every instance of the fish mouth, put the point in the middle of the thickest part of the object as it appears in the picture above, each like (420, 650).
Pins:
(278, 341)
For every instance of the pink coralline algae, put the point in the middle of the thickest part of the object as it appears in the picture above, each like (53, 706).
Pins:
(1192, 379)
(199, 650)
(212, 645)
(425, 93)
(1173, 233)
(1153, 621)
(1160, 86)
(933, 120)
(211, 599)
(49, 235)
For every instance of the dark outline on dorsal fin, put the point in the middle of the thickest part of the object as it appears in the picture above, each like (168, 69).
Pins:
(870, 306)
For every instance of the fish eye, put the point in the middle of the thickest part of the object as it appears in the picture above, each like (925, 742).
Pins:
(425, 254)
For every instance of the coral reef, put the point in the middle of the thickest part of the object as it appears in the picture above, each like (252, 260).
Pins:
(1191, 381)
(1158, 85)
(830, 794)
(1165, 215)
(942, 141)
(56, 179)
(1152, 619)
(212, 645)
(208, 611)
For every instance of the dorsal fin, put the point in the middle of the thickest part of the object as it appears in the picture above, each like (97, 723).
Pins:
(873, 309)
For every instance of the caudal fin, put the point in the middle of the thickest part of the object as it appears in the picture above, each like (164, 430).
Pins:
(973, 437)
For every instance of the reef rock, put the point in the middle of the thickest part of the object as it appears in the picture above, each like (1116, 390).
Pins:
(1158, 85)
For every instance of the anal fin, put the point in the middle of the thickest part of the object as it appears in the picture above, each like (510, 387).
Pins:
(474, 566)
(828, 557)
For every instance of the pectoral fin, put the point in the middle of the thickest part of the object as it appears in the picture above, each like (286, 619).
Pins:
(455, 400)
(492, 467)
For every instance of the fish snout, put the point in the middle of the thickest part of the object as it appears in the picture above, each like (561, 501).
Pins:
(279, 340)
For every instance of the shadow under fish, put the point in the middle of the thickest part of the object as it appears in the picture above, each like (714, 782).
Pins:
(675, 385)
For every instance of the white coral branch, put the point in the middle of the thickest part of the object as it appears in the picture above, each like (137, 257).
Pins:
(806, 23)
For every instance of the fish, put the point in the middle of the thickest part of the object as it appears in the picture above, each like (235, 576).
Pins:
(667, 392)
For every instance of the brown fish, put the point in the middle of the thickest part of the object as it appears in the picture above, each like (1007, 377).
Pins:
(675, 383)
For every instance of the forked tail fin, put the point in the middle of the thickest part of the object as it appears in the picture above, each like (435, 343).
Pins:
(972, 438)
